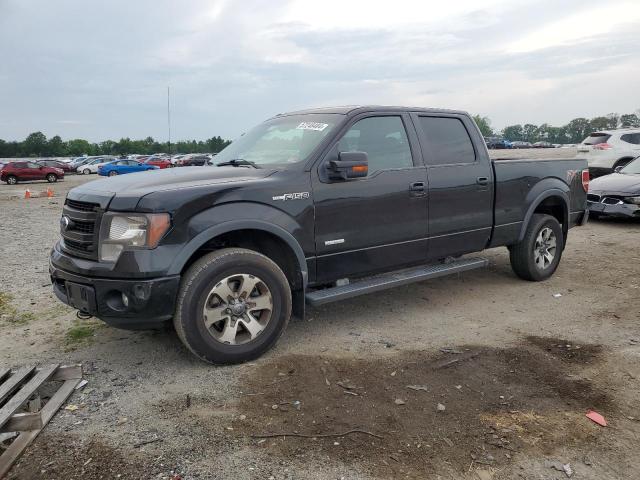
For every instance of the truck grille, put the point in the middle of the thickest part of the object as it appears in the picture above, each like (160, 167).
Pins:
(79, 227)
(82, 206)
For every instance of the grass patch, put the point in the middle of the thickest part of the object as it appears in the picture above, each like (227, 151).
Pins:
(81, 334)
(10, 314)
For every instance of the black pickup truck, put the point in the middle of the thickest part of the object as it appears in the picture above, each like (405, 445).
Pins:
(308, 207)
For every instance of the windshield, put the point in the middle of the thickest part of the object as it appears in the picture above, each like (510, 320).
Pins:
(281, 140)
(632, 168)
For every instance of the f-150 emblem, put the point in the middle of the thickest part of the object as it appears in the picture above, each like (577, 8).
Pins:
(292, 196)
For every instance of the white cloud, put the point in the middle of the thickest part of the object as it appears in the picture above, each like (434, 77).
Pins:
(231, 63)
(578, 26)
(368, 14)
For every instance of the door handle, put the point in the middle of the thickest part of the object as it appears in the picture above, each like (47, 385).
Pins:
(417, 189)
(482, 180)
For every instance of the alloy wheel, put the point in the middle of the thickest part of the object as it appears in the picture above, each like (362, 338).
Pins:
(544, 249)
(237, 309)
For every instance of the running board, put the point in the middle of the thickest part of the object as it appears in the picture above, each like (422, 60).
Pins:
(392, 279)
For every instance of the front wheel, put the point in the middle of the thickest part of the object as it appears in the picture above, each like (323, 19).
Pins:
(233, 305)
(113, 173)
(86, 171)
(537, 256)
(52, 178)
(12, 180)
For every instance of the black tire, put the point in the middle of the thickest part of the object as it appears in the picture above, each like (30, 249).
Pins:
(12, 180)
(195, 288)
(113, 173)
(522, 255)
(86, 171)
(595, 215)
(52, 178)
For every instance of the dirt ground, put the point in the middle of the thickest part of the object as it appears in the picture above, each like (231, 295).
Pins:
(476, 376)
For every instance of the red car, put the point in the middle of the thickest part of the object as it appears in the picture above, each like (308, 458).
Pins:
(65, 167)
(28, 171)
(159, 162)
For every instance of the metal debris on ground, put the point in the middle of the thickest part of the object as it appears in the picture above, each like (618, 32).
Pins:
(423, 388)
(441, 407)
(22, 409)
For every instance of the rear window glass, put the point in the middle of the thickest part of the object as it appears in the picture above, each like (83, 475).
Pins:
(633, 138)
(596, 138)
(448, 141)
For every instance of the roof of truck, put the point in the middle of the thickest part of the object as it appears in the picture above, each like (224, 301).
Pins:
(354, 109)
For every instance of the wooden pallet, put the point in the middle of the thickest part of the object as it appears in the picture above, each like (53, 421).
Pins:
(19, 388)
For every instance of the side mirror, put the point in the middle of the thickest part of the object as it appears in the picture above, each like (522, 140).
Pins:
(617, 169)
(349, 165)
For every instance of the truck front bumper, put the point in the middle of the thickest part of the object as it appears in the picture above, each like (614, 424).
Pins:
(123, 303)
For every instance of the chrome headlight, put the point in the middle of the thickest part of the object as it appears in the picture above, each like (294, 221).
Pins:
(130, 230)
(634, 200)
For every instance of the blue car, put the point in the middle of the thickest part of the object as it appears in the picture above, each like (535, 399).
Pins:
(120, 167)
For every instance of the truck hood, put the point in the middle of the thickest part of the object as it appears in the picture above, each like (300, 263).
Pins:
(615, 183)
(129, 188)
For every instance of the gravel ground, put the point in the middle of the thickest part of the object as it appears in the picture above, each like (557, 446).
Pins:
(514, 367)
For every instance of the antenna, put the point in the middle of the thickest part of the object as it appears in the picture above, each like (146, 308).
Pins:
(169, 119)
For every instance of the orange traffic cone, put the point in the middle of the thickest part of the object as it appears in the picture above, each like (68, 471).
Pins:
(49, 192)
(27, 193)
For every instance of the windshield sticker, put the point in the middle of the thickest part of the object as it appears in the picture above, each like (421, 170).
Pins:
(312, 126)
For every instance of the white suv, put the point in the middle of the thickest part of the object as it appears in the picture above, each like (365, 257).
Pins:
(608, 149)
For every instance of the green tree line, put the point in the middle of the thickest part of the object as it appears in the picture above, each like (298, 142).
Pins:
(38, 145)
(573, 132)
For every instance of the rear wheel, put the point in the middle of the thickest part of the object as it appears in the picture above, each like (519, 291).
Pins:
(52, 178)
(113, 173)
(233, 305)
(537, 256)
(12, 180)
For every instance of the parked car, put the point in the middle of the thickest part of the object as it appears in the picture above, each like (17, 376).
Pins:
(616, 194)
(122, 167)
(159, 162)
(305, 207)
(92, 165)
(497, 143)
(607, 149)
(195, 161)
(15, 172)
(65, 167)
(521, 144)
(542, 145)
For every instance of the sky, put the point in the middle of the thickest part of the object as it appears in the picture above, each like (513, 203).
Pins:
(100, 70)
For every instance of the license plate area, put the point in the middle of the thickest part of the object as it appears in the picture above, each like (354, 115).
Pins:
(81, 297)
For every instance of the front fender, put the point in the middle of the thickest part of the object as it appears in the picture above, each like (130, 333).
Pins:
(224, 219)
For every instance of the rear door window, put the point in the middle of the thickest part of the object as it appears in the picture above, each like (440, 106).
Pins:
(596, 138)
(633, 138)
(448, 141)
